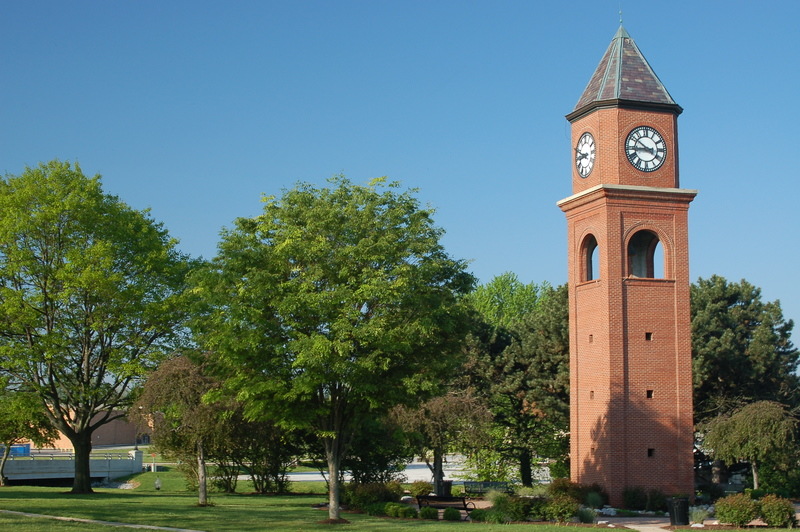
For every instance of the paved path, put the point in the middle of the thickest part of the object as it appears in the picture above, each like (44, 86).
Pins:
(642, 524)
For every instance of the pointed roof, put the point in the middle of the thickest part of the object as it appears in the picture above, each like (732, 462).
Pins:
(624, 78)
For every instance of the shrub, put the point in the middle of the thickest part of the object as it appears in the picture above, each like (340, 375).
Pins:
(698, 515)
(564, 486)
(561, 508)
(778, 512)
(478, 515)
(656, 501)
(426, 512)
(634, 498)
(521, 508)
(536, 510)
(594, 500)
(360, 496)
(595, 492)
(738, 509)
(451, 514)
(377, 509)
(420, 487)
(396, 509)
(586, 515)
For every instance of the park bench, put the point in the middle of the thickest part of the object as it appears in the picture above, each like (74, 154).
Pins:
(434, 501)
(482, 487)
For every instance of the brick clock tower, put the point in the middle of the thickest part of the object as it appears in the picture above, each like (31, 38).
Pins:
(630, 332)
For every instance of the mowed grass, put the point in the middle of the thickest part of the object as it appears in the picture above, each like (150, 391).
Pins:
(175, 507)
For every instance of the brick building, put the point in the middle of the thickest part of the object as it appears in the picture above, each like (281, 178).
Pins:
(630, 337)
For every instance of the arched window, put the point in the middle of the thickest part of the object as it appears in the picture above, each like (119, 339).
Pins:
(645, 255)
(590, 259)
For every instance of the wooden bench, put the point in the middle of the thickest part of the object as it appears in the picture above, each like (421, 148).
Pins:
(459, 503)
(482, 487)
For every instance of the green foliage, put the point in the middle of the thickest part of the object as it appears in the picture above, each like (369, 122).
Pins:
(479, 515)
(360, 496)
(526, 508)
(756, 432)
(451, 514)
(521, 366)
(90, 298)
(377, 509)
(564, 486)
(488, 464)
(741, 348)
(537, 490)
(561, 508)
(638, 498)
(697, 515)
(378, 451)
(426, 512)
(333, 306)
(420, 487)
(594, 500)
(396, 509)
(738, 509)
(777, 512)
(586, 515)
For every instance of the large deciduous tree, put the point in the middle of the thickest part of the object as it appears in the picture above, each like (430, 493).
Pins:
(757, 432)
(89, 298)
(742, 349)
(336, 303)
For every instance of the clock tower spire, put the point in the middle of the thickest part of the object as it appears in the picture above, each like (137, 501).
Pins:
(630, 331)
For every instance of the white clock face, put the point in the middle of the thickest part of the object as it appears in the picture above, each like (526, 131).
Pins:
(585, 154)
(645, 148)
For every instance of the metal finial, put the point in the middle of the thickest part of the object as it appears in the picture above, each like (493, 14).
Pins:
(620, 14)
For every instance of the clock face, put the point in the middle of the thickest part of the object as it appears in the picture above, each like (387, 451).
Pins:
(585, 154)
(645, 148)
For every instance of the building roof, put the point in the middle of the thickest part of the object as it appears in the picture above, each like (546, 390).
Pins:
(624, 76)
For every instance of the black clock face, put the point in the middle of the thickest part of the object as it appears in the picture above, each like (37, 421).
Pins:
(645, 148)
(585, 154)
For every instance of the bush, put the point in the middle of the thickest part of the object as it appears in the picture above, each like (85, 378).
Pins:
(561, 508)
(778, 512)
(426, 512)
(656, 501)
(451, 514)
(536, 510)
(564, 486)
(634, 498)
(537, 490)
(594, 500)
(396, 509)
(377, 509)
(698, 515)
(360, 496)
(586, 515)
(420, 487)
(523, 508)
(737, 510)
(478, 515)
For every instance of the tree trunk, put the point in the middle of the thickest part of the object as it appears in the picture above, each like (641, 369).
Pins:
(202, 487)
(6, 453)
(438, 472)
(525, 469)
(82, 445)
(754, 468)
(334, 459)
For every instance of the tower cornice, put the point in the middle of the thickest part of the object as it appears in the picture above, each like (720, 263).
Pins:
(609, 191)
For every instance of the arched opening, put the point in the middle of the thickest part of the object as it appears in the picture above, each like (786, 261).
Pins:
(590, 254)
(645, 256)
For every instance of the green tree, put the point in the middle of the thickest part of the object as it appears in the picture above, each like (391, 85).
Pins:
(89, 298)
(742, 349)
(754, 433)
(505, 299)
(171, 403)
(334, 304)
(520, 363)
(454, 421)
(22, 419)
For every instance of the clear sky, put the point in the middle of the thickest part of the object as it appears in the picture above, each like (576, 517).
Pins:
(196, 108)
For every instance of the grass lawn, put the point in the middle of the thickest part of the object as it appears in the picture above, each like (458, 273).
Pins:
(173, 506)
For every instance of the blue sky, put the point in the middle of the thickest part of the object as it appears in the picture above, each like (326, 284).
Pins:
(196, 108)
